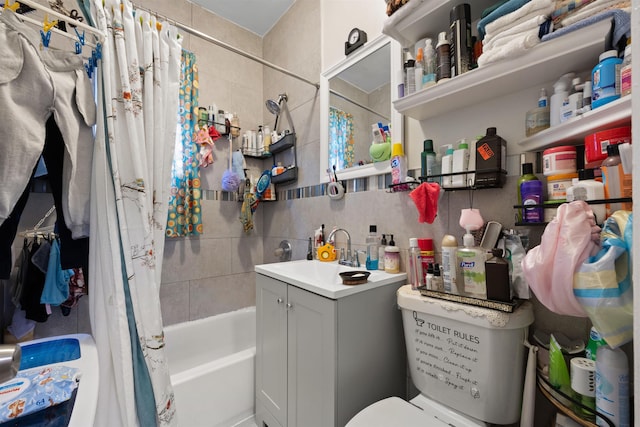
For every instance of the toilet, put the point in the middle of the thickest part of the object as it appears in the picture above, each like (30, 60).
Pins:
(466, 361)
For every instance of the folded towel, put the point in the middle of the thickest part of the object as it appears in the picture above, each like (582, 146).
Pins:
(564, 7)
(510, 7)
(426, 196)
(593, 9)
(518, 45)
(621, 19)
(534, 7)
(519, 27)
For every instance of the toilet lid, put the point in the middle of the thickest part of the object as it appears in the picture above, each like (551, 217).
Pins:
(394, 411)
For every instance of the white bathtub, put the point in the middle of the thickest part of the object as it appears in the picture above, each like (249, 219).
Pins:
(211, 362)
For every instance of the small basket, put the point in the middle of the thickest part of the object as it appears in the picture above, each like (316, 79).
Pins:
(354, 277)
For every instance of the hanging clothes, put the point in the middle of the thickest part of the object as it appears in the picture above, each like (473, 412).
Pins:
(62, 113)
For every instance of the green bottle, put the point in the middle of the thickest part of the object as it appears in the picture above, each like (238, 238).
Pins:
(428, 161)
(527, 175)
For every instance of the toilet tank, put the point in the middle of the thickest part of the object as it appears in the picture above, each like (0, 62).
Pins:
(469, 358)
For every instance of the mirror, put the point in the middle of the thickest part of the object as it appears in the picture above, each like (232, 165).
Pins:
(354, 94)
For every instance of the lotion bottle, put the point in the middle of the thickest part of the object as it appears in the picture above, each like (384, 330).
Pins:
(460, 163)
(471, 261)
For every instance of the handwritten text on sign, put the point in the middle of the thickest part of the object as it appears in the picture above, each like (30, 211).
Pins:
(447, 355)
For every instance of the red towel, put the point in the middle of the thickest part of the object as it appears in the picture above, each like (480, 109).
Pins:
(426, 196)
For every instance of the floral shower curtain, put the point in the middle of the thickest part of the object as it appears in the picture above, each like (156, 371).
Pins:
(138, 85)
(341, 152)
(184, 205)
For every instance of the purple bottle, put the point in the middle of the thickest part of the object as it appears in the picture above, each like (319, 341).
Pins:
(532, 195)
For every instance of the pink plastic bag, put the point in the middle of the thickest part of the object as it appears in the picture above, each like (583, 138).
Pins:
(567, 242)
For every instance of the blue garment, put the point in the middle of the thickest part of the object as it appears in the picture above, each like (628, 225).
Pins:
(56, 283)
(621, 25)
(504, 9)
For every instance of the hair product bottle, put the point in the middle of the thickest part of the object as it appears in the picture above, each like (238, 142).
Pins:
(527, 175)
(443, 61)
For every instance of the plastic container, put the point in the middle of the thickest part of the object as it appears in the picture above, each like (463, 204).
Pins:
(537, 119)
(583, 379)
(587, 188)
(491, 160)
(416, 278)
(616, 183)
(392, 259)
(447, 167)
(449, 265)
(612, 386)
(595, 144)
(625, 71)
(460, 163)
(527, 175)
(532, 195)
(560, 93)
(472, 271)
(398, 164)
(559, 160)
(605, 79)
(557, 185)
(372, 248)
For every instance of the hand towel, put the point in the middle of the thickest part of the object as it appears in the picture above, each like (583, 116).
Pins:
(426, 196)
(519, 27)
(537, 7)
(518, 45)
(621, 19)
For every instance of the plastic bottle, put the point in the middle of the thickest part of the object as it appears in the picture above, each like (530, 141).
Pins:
(460, 163)
(429, 277)
(260, 140)
(461, 45)
(586, 97)
(427, 160)
(573, 102)
(531, 192)
(527, 175)
(398, 165)
(436, 282)
(267, 138)
(410, 82)
(447, 167)
(449, 265)
(616, 183)
(543, 101)
(310, 249)
(497, 270)
(491, 160)
(560, 92)
(612, 386)
(595, 341)
(625, 71)
(587, 188)
(392, 257)
(419, 69)
(443, 61)
(429, 77)
(606, 79)
(427, 255)
(415, 264)
(372, 248)
(471, 167)
(470, 260)
(383, 243)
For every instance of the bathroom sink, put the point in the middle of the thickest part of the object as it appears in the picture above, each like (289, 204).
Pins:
(76, 351)
(323, 278)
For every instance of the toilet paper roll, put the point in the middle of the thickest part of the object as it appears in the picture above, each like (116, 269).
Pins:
(583, 376)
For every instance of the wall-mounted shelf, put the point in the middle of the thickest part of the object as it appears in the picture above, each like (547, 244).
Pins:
(573, 131)
(468, 187)
(555, 206)
(575, 51)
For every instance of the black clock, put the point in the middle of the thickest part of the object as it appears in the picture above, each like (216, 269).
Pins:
(356, 38)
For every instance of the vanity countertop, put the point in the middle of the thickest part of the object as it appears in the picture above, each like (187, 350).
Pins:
(323, 278)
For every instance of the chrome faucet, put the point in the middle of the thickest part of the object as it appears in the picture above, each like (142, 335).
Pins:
(348, 259)
(9, 361)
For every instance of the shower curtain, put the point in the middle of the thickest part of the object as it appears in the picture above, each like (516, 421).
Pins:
(341, 151)
(138, 81)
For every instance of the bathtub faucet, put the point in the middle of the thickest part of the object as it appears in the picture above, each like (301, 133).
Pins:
(348, 259)
(9, 361)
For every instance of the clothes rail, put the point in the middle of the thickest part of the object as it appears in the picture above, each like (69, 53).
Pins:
(227, 46)
(65, 18)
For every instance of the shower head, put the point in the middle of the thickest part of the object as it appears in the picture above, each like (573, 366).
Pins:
(274, 106)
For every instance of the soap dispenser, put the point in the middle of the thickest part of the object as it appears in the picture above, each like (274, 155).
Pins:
(471, 260)
(560, 93)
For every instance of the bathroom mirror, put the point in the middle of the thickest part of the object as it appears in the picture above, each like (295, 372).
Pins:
(354, 94)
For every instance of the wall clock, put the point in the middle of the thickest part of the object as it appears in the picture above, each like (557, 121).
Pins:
(356, 38)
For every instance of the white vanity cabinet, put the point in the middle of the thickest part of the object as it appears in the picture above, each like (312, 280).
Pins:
(320, 360)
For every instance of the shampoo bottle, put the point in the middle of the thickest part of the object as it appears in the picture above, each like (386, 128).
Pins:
(471, 261)
(428, 160)
(449, 265)
(398, 165)
(460, 163)
(447, 166)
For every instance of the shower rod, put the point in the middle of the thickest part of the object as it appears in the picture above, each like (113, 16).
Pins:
(227, 46)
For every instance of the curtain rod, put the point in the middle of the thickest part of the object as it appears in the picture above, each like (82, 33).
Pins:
(346, 98)
(227, 46)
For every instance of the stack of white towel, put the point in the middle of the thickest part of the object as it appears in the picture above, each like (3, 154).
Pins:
(516, 32)
(569, 12)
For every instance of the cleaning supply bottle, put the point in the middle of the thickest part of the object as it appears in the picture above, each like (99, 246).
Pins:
(398, 165)
(372, 248)
(415, 264)
(471, 261)
(449, 264)
(429, 76)
(427, 160)
(447, 167)
(383, 244)
(527, 175)
(460, 163)
(612, 386)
